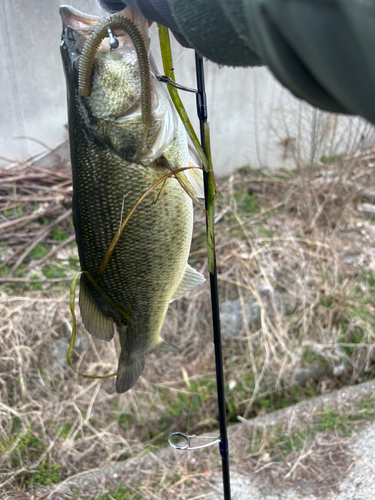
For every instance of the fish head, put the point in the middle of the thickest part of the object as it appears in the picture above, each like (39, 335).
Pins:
(113, 109)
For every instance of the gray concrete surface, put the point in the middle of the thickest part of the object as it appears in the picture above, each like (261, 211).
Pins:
(357, 484)
(32, 98)
(355, 481)
(254, 120)
(242, 488)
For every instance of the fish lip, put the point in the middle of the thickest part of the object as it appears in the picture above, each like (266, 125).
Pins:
(73, 18)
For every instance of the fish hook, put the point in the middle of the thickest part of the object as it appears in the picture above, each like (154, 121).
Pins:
(113, 42)
(175, 85)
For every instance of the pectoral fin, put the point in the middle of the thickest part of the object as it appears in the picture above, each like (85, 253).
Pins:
(128, 373)
(98, 325)
(190, 280)
(181, 177)
(196, 179)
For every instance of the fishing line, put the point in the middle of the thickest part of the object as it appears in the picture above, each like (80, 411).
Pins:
(196, 388)
(74, 322)
(179, 57)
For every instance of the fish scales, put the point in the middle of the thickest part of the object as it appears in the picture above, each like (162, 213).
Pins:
(145, 263)
(115, 159)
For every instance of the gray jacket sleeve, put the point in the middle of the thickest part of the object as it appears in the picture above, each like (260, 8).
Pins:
(154, 10)
(322, 50)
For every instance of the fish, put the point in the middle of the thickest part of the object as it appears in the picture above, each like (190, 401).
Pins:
(125, 135)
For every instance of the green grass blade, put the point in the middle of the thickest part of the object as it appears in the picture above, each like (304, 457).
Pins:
(74, 322)
(166, 54)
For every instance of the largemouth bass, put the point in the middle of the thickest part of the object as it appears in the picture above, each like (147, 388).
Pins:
(118, 150)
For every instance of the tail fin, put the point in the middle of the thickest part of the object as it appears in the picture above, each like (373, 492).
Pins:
(129, 372)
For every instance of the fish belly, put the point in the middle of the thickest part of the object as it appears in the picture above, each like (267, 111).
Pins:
(151, 254)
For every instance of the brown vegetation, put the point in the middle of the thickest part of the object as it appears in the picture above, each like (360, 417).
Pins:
(278, 234)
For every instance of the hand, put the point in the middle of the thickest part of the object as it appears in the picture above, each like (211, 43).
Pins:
(154, 10)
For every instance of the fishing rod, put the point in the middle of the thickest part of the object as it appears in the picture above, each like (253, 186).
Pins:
(223, 444)
(209, 191)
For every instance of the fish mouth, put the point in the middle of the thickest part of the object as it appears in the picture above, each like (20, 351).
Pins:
(77, 20)
(83, 24)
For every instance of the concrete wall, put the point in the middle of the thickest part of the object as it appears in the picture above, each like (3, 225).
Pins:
(254, 120)
(32, 83)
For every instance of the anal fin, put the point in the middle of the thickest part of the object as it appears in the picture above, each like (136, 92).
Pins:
(99, 326)
(190, 280)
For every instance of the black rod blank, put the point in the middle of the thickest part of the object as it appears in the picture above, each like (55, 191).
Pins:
(224, 450)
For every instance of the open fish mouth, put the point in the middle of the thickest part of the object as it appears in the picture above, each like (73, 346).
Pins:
(76, 19)
(83, 25)
(142, 98)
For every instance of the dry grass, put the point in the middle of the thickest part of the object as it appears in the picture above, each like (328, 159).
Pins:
(303, 236)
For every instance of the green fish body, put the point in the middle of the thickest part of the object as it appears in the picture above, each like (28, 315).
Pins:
(115, 159)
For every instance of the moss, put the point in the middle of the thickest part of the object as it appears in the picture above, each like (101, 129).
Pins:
(45, 474)
(265, 232)
(4, 271)
(163, 422)
(64, 431)
(27, 448)
(247, 202)
(40, 251)
(59, 235)
(177, 409)
(122, 493)
(328, 420)
(35, 286)
(125, 420)
(54, 272)
(16, 425)
(280, 441)
(21, 271)
(326, 301)
(9, 212)
(238, 233)
(326, 160)
(310, 356)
